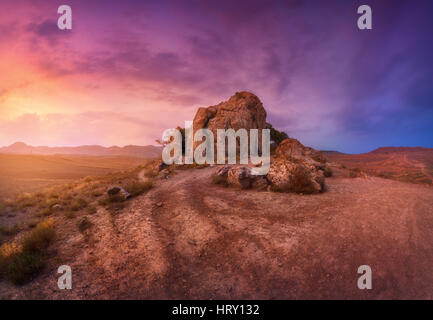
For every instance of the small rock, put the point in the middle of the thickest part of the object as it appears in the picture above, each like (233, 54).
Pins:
(164, 174)
(240, 177)
(56, 207)
(118, 191)
(159, 204)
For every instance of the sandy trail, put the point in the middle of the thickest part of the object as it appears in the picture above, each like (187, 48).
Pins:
(190, 239)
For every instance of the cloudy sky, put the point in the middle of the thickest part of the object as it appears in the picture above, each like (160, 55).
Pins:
(130, 69)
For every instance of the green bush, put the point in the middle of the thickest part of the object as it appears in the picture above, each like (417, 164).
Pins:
(277, 136)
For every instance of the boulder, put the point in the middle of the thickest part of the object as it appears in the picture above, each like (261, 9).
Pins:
(243, 110)
(260, 183)
(296, 168)
(223, 171)
(295, 176)
(239, 176)
(117, 191)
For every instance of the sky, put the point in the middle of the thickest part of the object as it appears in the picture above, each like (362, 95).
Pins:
(128, 70)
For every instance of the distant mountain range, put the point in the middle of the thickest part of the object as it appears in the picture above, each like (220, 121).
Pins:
(401, 149)
(95, 150)
(385, 150)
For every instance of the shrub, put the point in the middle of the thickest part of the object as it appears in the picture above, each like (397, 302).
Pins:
(277, 136)
(32, 223)
(97, 193)
(9, 231)
(20, 261)
(78, 204)
(40, 237)
(149, 173)
(327, 172)
(91, 210)
(111, 199)
(355, 173)
(2, 207)
(45, 212)
(24, 265)
(26, 200)
(51, 202)
(84, 224)
(54, 196)
(70, 214)
(137, 188)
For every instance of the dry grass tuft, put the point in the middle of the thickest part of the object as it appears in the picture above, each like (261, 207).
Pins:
(84, 224)
(138, 187)
(328, 172)
(20, 261)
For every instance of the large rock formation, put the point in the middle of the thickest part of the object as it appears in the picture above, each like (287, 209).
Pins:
(243, 110)
(294, 168)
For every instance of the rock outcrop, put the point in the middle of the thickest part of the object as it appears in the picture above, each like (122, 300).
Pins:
(297, 168)
(293, 149)
(294, 168)
(243, 110)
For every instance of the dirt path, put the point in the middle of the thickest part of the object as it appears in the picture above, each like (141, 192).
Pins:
(190, 239)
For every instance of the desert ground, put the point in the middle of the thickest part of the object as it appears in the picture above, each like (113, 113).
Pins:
(187, 238)
(29, 173)
(414, 165)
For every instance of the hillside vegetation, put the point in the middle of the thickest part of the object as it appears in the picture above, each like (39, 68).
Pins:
(30, 173)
